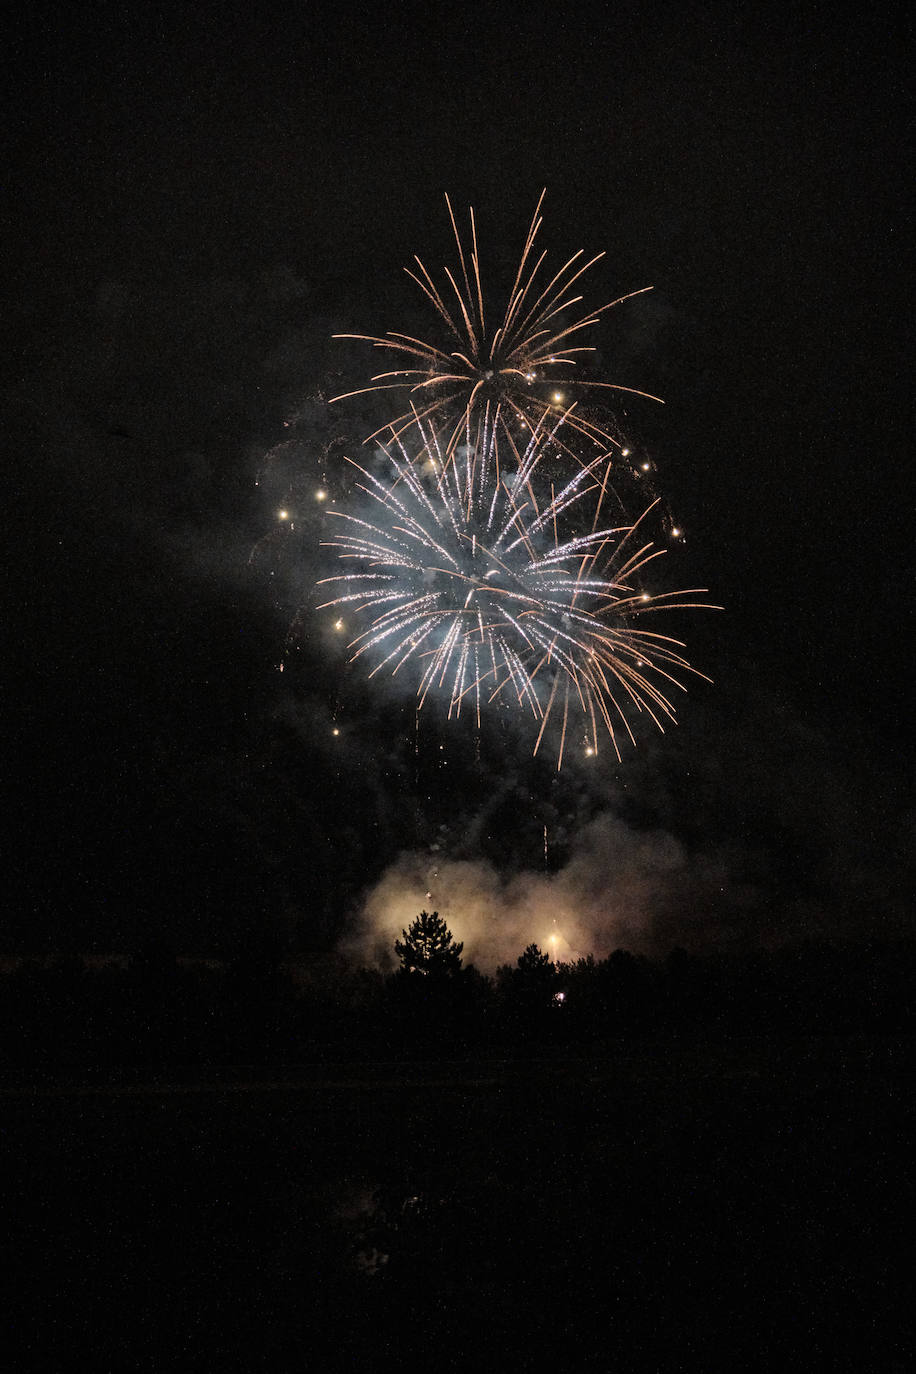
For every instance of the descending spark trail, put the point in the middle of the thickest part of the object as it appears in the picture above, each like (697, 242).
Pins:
(497, 588)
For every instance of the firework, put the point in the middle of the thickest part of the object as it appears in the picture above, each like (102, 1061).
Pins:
(473, 571)
(483, 562)
(524, 363)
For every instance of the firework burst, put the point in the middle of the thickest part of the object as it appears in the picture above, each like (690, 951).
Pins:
(523, 363)
(493, 587)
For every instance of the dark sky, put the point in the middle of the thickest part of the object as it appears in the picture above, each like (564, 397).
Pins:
(195, 201)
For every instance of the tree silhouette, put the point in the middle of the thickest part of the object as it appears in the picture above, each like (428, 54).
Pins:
(527, 993)
(428, 947)
(534, 963)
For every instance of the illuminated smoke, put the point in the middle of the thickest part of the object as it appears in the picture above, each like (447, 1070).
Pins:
(639, 890)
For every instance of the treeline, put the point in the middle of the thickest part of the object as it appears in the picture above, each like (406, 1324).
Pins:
(158, 1011)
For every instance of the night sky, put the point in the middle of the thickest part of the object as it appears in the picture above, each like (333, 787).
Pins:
(194, 203)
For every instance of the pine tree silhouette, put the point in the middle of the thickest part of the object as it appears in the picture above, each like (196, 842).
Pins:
(428, 947)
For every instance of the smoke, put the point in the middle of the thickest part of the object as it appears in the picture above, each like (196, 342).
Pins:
(700, 840)
(620, 888)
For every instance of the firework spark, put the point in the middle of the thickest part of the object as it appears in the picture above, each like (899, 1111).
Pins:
(524, 365)
(494, 587)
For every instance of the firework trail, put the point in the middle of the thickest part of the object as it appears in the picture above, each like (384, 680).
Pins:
(497, 588)
(524, 365)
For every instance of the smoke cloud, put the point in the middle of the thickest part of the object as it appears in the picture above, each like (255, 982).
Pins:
(620, 888)
(698, 841)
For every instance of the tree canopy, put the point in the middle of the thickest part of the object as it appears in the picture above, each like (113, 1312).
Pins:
(428, 947)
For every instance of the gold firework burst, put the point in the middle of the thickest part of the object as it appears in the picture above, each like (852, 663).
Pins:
(517, 370)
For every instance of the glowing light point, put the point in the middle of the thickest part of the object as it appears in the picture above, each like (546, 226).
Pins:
(338, 624)
(335, 731)
(676, 533)
(589, 753)
(625, 452)
(321, 495)
(645, 467)
(558, 396)
(282, 514)
(645, 597)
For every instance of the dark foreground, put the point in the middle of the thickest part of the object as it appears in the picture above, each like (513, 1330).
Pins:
(747, 1207)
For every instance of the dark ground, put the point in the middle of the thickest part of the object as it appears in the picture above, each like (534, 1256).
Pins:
(746, 1206)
